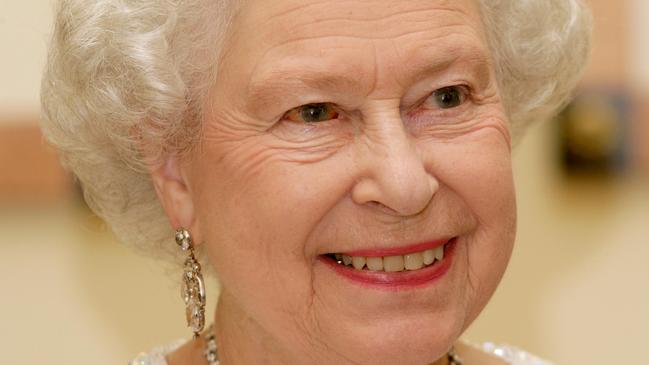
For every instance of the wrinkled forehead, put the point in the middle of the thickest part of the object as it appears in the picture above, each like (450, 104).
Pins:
(351, 37)
(373, 19)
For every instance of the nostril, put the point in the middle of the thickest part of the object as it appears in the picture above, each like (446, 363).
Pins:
(381, 207)
(397, 186)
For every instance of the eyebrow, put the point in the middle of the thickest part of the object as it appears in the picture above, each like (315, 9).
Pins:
(276, 85)
(475, 57)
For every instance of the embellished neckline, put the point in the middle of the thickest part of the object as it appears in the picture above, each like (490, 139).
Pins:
(511, 355)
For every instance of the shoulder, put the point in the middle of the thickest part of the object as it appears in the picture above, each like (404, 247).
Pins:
(512, 355)
(157, 355)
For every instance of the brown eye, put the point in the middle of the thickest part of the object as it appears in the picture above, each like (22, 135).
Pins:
(312, 113)
(449, 97)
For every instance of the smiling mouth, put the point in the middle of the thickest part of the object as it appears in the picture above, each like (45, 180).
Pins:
(411, 261)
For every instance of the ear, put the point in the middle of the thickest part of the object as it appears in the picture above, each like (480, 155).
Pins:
(171, 186)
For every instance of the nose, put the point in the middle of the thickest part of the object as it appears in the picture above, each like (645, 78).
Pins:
(393, 173)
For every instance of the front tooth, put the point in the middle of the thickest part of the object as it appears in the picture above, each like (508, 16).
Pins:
(375, 263)
(358, 262)
(429, 257)
(347, 260)
(439, 253)
(413, 261)
(393, 263)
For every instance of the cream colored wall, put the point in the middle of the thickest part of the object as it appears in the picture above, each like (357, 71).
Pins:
(71, 295)
(639, 41)
(24, 29)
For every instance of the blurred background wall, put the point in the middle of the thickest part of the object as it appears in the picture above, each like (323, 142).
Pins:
(577, 290)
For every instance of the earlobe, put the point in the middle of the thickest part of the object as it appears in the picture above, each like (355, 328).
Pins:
(175, 196)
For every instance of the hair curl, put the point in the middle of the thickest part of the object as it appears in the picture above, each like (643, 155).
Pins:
(119, 66)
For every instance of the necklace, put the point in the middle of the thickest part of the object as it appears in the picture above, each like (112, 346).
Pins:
(212, 355)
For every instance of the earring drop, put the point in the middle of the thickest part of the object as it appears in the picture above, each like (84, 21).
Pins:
(192, 287)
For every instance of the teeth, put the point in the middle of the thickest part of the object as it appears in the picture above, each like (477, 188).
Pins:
(393, 263)
(412, 261)
(429, 257)
(358, 262)
(439, 253)
(375, 263)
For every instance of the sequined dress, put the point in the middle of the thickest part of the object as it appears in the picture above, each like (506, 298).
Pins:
(510, 354)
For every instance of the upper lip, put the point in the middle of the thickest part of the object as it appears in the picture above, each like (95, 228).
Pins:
(398, 250)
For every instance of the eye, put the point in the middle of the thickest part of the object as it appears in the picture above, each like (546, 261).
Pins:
(312, 113)
(448, 97)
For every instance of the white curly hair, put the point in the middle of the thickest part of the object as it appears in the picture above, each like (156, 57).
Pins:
(120, 71)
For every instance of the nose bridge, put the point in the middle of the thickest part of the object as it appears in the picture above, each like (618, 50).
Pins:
(394, 173)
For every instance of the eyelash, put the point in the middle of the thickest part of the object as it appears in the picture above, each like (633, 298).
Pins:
(463, 94)
(295, 113)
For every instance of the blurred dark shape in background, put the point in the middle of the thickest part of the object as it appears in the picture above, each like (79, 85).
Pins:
(594, 133)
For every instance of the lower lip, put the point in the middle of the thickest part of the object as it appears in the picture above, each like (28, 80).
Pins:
(396, 280)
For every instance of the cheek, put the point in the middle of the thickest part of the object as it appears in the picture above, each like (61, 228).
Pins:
(256, 211)
(478, 169)
(266, 195)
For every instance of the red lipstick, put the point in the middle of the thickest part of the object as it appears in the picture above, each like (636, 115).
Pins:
(395, 251)
(395, 280)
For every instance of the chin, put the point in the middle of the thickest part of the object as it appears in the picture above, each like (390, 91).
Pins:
(368, 324)
(422, 339)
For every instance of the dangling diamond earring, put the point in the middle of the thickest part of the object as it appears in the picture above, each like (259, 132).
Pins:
(192, 287)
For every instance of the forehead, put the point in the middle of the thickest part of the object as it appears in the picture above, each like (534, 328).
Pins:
(373, 19)
(352, 37)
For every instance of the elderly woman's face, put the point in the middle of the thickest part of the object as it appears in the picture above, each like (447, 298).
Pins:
(367, 128)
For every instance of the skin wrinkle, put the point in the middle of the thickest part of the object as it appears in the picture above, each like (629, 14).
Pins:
(296, 39)
(313, 157)
(357, 70)
(451, 59)
(452, 137)
(434, 10)
(464, 128)
(303, 7)
(375, 72)
(289, 151)
(236, 137)
(316, 339)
